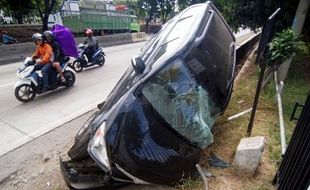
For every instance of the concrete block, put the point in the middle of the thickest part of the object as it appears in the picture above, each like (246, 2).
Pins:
(248, 155)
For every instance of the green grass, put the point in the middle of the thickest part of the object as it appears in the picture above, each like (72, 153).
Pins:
(266, 123)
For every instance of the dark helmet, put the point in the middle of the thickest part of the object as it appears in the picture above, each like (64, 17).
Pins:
(48, 36)
(37, 36)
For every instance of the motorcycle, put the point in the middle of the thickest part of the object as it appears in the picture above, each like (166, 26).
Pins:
(30, 81)
(83, 62)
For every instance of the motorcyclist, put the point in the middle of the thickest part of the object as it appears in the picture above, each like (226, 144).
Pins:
(42, 57)
(58, 53)
(92, 44)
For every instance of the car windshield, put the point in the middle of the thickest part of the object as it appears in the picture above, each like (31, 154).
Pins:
(179, 98)
(173, 34)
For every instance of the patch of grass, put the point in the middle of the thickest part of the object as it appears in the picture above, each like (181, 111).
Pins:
(266, 123)
(191, 184)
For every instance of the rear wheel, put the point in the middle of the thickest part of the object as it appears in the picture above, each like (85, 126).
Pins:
(101, 60)
(25, 93)
(70, 78)
(77, 66)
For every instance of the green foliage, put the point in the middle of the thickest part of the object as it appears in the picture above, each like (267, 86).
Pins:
(18, 9)
(254, 13)
(165, 8)
(45, 8)
(283, 46)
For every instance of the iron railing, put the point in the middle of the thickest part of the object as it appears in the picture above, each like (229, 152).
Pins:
(294, 171)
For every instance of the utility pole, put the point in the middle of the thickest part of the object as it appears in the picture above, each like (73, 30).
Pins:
(297, 26)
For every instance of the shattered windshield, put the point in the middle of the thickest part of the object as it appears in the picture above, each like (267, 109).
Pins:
(182, 102)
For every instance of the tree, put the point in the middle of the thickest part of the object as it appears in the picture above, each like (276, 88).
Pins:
(45, 8)
(165, 8)
(18, 9)
(150, 7)
(253, 13)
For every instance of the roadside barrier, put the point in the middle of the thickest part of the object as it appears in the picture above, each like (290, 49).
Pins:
(12, 53)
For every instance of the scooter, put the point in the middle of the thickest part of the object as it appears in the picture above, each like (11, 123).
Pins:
(30, 81)
(83, 62)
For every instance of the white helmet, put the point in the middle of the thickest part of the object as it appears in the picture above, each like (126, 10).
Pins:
(37, 36)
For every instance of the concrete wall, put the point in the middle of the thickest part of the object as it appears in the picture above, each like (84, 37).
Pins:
(17, 52)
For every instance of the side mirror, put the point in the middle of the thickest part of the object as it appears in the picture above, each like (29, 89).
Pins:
(101, 105)
(138, 64)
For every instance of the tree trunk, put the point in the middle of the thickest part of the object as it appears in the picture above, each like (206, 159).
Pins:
(45, 23)
(18, 17)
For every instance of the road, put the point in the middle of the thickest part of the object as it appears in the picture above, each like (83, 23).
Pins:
(20, 122)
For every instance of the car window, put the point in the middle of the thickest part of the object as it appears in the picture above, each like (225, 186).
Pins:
(212, 61)
(172, 34)
(153, 43)
(182, 102)
(175, 37)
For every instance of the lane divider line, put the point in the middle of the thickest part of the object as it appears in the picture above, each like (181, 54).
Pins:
(5, 85)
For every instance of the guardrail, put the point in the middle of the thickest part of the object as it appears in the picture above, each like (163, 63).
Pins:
(17, 52)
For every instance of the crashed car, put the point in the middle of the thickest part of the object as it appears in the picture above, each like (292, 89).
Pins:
(153, 126)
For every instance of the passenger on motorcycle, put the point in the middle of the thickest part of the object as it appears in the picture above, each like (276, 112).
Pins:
(92, 44)
(59, 56)
(42, 58)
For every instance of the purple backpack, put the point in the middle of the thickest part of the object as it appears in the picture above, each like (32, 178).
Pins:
(64, 37)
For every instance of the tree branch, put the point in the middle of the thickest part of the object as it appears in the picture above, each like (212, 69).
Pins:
(38, 7)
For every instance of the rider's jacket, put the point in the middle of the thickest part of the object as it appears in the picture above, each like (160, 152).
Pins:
(91, 41)
(58, 53)
(45, 52)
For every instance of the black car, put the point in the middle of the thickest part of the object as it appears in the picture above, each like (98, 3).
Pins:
(157, 120)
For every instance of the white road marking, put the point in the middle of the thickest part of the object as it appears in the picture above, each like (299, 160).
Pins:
(9, 84)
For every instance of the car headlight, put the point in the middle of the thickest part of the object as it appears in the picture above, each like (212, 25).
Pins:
(86, 128)
(98, 150)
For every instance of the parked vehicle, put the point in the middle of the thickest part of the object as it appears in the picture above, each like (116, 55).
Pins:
(82, 61)
(30, 81)
(155, 123)
(101, 16)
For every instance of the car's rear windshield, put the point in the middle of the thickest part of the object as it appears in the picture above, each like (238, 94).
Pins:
(173, 34)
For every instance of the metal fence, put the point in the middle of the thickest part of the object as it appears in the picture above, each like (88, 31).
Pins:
(294, 171)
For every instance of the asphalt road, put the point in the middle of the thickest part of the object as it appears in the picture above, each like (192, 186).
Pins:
(20, 122)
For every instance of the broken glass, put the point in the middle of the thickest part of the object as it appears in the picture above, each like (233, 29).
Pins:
(183, 103)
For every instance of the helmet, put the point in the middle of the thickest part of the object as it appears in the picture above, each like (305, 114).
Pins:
(48, 35)
(88, 31)
(37, 36)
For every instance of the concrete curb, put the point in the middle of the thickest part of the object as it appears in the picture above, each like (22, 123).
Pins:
(17, 52)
